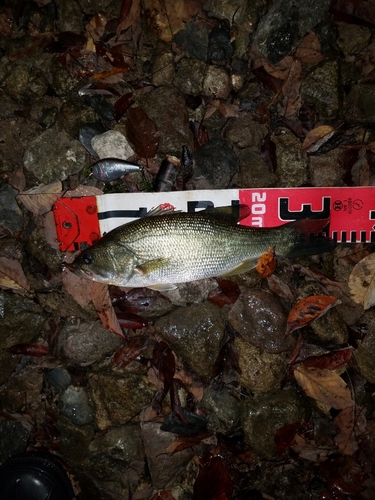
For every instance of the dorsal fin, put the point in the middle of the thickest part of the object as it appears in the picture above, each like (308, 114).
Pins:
(234, 213)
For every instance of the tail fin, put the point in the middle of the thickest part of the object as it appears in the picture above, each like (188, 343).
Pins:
(308, 239)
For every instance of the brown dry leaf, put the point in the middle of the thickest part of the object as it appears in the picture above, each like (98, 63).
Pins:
(40, 199)
(12, 275)
(316, 137)
(362, 283)
(280, 70)
(279, 287)
(309, 50)
(266, 263)
(96, 26)
(351, 422)
(192, 383)
(168, 17)
(79, 288)
(103, 305)
(324, 386)
(130, 12)
(309, 450)
(308, 309)
(17, 180)
(50, 231)
(292, 102)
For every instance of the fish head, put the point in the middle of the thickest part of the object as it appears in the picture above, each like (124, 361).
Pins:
(101, 263)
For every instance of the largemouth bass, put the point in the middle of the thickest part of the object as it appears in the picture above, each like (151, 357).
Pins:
(160, 251)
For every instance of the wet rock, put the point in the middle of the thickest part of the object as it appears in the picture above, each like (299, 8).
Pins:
(7, 106)
(166, 107)
(11, 217)
(245, 132)
(364, 355)
(74, 440)
(261, 320)
(69, 16)
(118, 399)
(74, 404)
(14, 438)
(42, 251)
(110, 454)
(254, 172)
(196, 334)
(320, 89)
(166, 472)
(20, 321)
(215, 163)
(194, 39)
(359, 104)
(222, 410)
(189, 76)
(62, 82)
(352, 39)
(216, 83)
(15, 137)
(262, 416)
(283, 27)
(220, 48)
(112, 144)
(291, 164)
(59, 378)
(24, 80)
(163, 71)
(86, 343)
(186, 294)
(73, 114)
(260, 371)
(325, 170)
(233, 11)
(94, 6)
(22, 389)
(48, 164)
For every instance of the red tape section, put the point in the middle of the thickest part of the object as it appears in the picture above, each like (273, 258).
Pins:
(77, 223)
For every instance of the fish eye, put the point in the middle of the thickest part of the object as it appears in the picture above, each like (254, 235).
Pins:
(87, 259)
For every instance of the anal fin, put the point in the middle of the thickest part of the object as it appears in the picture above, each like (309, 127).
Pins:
(163, 287)
(244, 267)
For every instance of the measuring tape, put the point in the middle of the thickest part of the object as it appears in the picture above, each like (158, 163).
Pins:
(350, 210)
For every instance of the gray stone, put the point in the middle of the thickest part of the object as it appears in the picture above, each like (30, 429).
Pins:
(352, 39)
(118, 399)
(69, 16)
(167, 108)
(74, 404)
(196, 334)
(215, 163)
(112, 144)
(216, 83)
(285, 24)
(325, 169)
(262, 416)
(233, 11)
(194, 39)
(260, 319)
(320, 89)
(359, 104)
(86, 343)
(54, 155)
(14, 438)
(291, 164)
(11, 217)
(245, 132)
(163, 71)
(222, 409)
(254, 172)
(189, 76)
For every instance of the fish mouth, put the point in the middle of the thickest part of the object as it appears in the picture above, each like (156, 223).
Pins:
(82, 273)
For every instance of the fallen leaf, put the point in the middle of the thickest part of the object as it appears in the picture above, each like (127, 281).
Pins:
(308, 309)
(331, 361)
(226, 293)
(102, 303)
(163, 495)
(324, 386)
(351, 422)
(40, 199)
(358, 12)
(316, 137)
(309, 450)
(292, 101)
(129, 13)
(191, 382)
(79, 288)
(142, 132)
(266, 263)
(167, 17)
(309, 50)
(128, 352)
(17, 180)
(344, 475)
(35, 350)
(213, 481)
(280, 288)
(12, 275)
(362, 283)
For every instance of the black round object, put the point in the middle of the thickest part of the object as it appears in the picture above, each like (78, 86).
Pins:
(34, 475)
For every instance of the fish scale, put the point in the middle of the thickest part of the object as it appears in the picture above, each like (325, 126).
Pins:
(181, 247)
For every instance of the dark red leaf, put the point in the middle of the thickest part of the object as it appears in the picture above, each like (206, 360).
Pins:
(343, 475)
(163, 495)
(128, 352)
(213, 481)
(284, 437)
(269, 81)
(227, 293)
(35, 350)
(142, 133)
(200, 134)
(163, 360)
(125, 9)
(331, 361)
(355, 12)
(122, 105)
(130, 320)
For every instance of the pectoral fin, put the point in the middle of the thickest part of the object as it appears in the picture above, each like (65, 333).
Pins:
(150, 266)
(244, 267)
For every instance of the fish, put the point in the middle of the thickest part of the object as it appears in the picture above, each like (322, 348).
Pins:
(166, 248)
